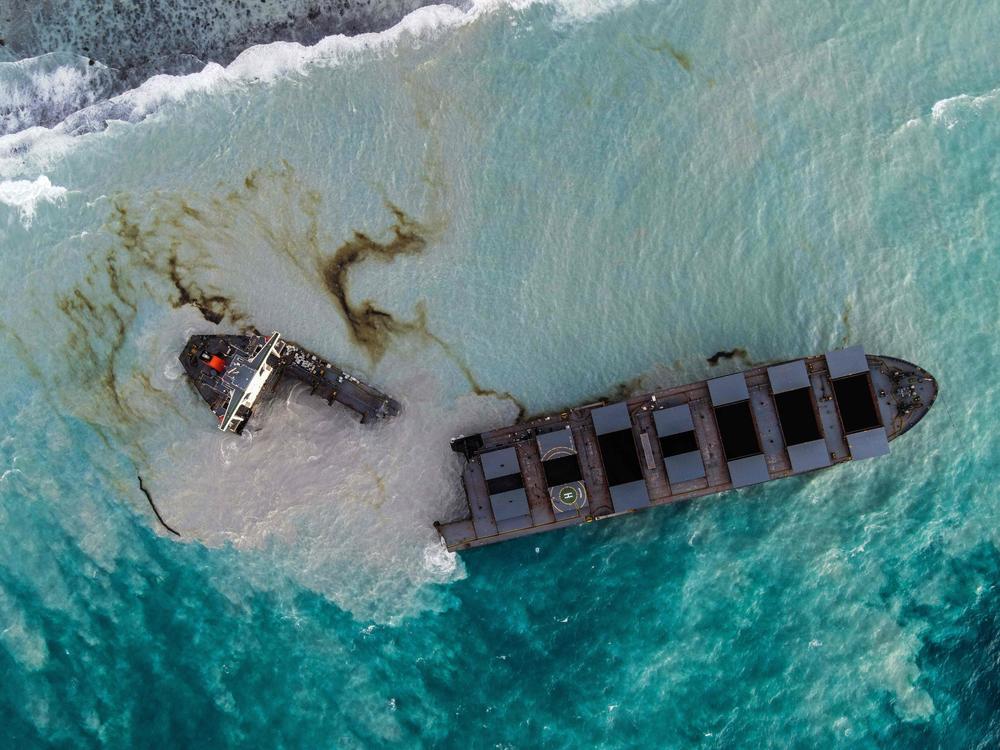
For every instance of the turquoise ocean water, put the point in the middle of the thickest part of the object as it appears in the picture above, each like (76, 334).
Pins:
(598, 195)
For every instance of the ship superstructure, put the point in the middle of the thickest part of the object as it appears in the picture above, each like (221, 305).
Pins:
(233, 373)
(602, 460)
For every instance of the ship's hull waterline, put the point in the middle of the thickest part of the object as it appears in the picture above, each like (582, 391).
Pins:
(602, 460)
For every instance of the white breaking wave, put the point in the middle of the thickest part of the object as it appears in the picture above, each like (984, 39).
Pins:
(950, 112)
(44, 90)
(258, 64)
(586, 10)
(36, 148)
(25, 195)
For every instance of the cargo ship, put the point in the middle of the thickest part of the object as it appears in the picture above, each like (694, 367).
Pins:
(602, 460)
(234, 373)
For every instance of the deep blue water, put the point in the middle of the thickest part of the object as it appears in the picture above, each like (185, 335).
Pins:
(607, 191)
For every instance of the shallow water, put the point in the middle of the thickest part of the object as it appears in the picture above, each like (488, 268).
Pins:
(604, 195)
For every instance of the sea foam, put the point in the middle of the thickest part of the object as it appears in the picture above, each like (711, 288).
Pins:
(25, 195)
(35, 147)
(307, 493)
(343, 508)
(45, 90)
(952, 111)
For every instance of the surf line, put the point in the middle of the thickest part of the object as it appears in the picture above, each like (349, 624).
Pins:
(144, 491)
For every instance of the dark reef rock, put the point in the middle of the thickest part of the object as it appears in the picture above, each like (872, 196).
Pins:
(148, 37)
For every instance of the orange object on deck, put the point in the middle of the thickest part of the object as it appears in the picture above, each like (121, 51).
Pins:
(217, 363)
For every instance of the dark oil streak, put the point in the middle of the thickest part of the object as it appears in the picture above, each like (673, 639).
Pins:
(22, 353)
(463, 367)
(165, 262)
(100, 330)
(369, 326)
(737, 353)
(678, 56)
(21, 350)
(845, 319)
(101, 310)
(89, 322)
(144, 491)
(619, 392)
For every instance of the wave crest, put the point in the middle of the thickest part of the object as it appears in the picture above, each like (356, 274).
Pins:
(25, 195)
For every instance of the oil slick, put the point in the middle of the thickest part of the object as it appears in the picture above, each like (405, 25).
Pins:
(845, 321)
(163, 259)
(369, 326)
(314, 487)
(662, 46)
(470, 377)
(138, 268)
(738, 353)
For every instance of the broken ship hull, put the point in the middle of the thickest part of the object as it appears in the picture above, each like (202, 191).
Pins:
(234, 373)
(603, 460)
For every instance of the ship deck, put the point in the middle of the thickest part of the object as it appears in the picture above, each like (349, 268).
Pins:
(327, 381)
(902, 391)
(223, 368)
